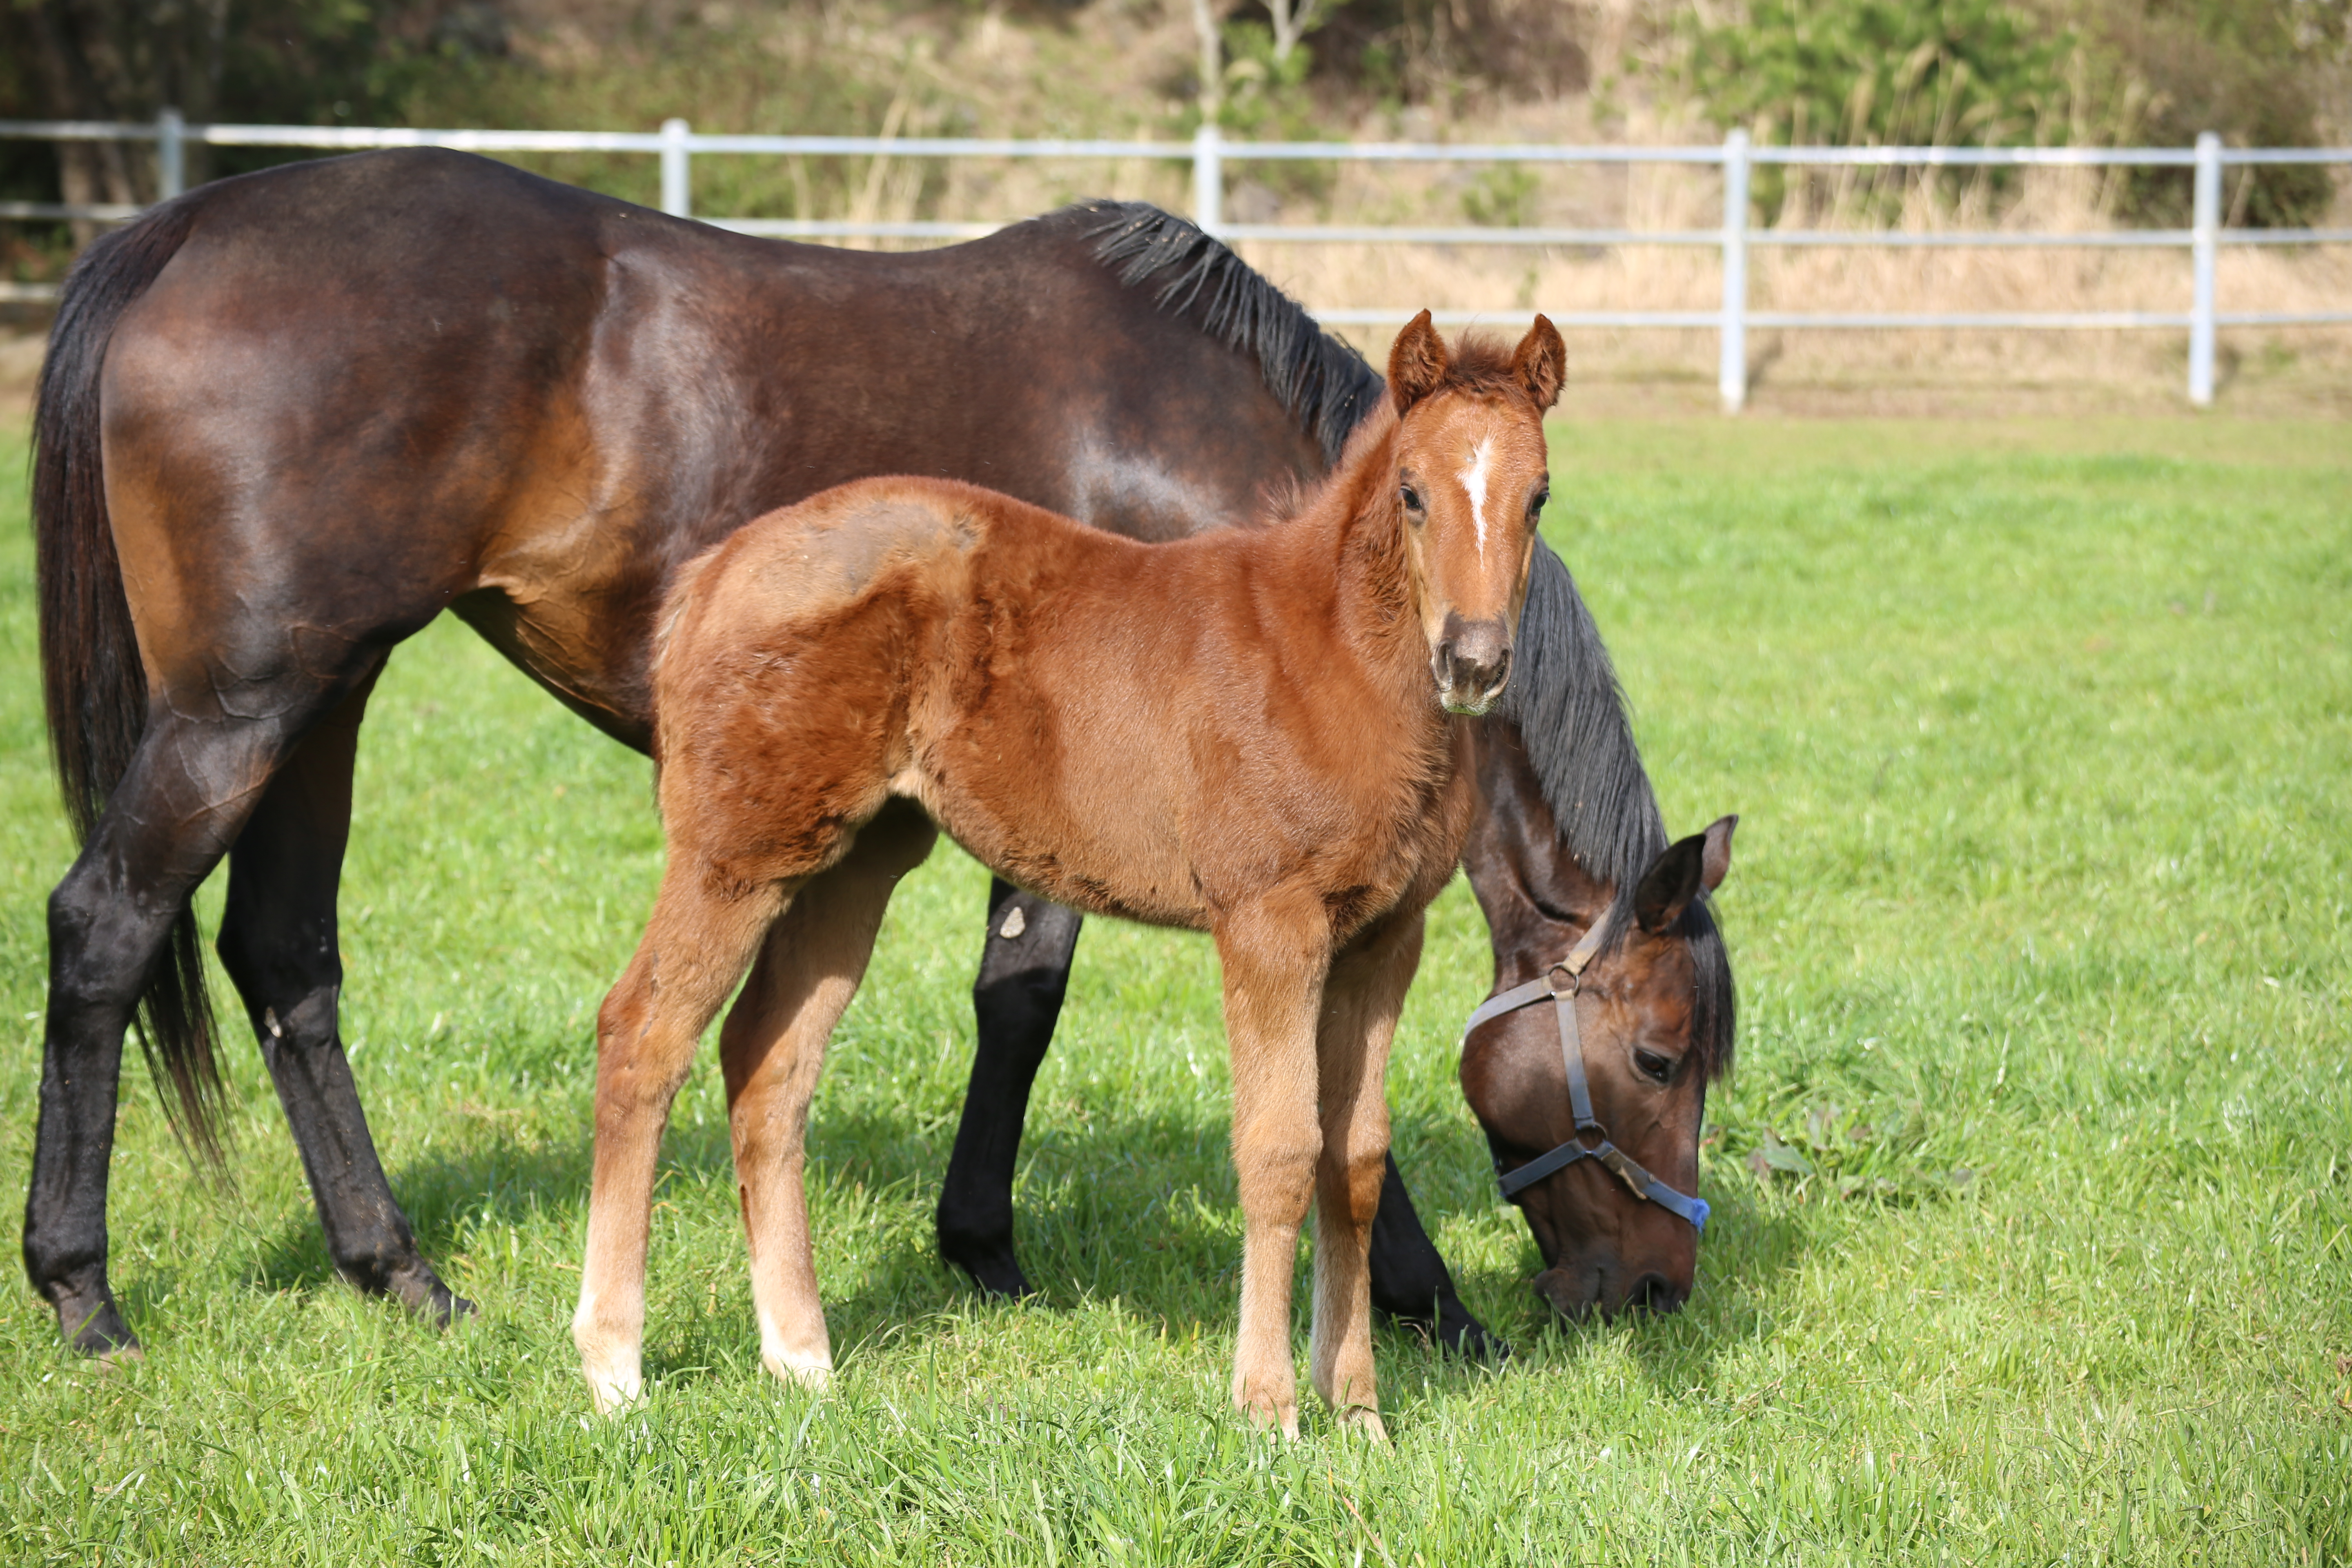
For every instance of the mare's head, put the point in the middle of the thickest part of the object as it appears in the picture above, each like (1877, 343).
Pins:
(1654, 1011)
(1471, 477)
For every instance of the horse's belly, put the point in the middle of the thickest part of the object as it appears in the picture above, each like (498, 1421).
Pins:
(1104, 855)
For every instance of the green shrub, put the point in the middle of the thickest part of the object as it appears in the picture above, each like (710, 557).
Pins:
(2163, 71)
(1876, 73)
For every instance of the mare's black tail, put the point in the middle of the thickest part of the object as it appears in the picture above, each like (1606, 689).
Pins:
(95, 687)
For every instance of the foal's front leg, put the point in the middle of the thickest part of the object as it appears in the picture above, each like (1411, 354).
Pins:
(1274, 970)
(1360, 1003)
(695, 949)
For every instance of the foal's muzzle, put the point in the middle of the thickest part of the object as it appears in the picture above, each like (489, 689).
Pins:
(1472, 662)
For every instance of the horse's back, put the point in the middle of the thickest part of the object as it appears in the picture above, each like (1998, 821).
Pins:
(368, 389)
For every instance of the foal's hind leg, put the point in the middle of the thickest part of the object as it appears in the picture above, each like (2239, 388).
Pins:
(697, 945)
(773, 1048)
(278, 942)
(1360, 1003)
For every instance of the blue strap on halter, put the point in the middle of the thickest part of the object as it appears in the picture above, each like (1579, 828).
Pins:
(1638, 1181)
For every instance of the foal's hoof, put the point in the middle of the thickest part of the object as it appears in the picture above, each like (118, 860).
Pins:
(613, 1394)
(1268, 1414)
(813, 1375)
(1359, 1421)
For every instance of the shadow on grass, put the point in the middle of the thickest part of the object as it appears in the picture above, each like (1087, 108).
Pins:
(1134, 1209)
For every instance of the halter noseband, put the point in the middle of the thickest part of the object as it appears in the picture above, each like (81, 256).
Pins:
(1638, 1181)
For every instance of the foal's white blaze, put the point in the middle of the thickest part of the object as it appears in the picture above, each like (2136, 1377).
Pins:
(1474, 480)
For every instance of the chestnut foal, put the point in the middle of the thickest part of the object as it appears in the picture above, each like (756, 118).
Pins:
(1245, 732)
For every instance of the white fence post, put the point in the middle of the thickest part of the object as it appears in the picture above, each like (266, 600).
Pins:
(1731, 375)
(170, 155)
(2204, 241)
(1208, 179)
(676, 199)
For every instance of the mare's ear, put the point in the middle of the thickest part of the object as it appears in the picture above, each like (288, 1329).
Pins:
(1670, 884)
(1541, 363)
(1717, 864)
(1689, 866)
(1417, 363)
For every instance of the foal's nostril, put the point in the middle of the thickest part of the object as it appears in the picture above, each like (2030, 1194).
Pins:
(1652, 1293)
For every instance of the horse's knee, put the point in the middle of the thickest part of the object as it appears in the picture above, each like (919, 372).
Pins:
(1276, 1167)
(1349, 1180)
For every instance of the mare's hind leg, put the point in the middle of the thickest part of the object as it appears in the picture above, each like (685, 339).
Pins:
(699, 940)
(189, 789)
(772, 1048)
(1025, 971)
(1360, 1003)
(280, 944)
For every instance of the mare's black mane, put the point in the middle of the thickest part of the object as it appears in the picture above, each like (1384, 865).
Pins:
(1570, 711)
(1563, 694)
(1325, 385)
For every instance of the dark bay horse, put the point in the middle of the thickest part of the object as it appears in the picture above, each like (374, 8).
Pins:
(289, 417)
(1255, 733)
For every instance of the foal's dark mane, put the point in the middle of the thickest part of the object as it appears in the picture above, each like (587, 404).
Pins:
(1564, 696)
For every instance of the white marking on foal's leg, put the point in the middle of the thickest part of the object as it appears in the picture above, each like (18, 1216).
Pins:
(810, 1366)
(612, 1360)
(1474, 480)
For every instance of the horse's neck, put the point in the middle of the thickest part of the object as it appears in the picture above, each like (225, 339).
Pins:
(1344, 553)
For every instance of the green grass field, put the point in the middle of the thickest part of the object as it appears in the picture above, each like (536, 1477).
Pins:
(2040, 738)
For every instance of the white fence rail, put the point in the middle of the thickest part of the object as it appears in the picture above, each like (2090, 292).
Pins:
(1208, 152)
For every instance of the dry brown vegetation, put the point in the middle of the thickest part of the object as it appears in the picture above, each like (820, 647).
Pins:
(1503, 70)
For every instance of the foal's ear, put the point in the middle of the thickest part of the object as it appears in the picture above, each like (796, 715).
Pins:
(1417, 363)
(1690, 866)
(1541, 363)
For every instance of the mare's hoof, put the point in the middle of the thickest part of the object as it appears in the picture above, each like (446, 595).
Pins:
(992, 1266)
(1464, 1335)
(1455, 1333)
(420, 1290)
(95, 1328)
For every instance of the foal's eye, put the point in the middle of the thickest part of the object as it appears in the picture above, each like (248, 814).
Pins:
(1412, 499)
(1654, 1065)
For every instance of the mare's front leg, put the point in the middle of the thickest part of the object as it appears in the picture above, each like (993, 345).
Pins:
(1411, 1283)
(278, 942)
(699, 940)
(1275, 959)
(1360, 1003)
(1025, 971)
(773, 1048)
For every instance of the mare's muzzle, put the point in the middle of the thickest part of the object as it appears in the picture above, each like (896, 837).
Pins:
(1472, 662)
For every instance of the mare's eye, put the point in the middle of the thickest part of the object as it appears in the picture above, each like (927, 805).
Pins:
(1654, 1065)
(1412, 499)
(1542, 499)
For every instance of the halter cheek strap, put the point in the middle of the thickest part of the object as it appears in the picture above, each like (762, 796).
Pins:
(1560, 984)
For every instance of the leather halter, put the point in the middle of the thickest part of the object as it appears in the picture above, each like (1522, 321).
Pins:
(1638, 1181)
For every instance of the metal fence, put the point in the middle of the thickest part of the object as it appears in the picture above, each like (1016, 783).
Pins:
(1209, 154)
